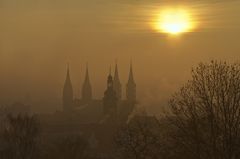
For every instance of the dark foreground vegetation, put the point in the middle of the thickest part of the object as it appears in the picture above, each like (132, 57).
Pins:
(203, 122)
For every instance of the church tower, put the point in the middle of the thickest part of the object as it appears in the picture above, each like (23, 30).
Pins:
(67, 94)
(110, 99)
(86, 88)
(117, 84)
(131, 87)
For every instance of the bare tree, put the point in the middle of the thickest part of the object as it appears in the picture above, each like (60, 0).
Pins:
(206, 112)
(139, 138)
(20, 137)
(70, 147)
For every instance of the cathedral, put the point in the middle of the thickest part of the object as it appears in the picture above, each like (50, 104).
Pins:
(111, 108)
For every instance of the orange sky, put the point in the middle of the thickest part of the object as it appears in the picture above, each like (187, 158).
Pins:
(38, 38)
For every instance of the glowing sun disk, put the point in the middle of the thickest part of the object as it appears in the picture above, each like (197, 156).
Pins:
(174, 21)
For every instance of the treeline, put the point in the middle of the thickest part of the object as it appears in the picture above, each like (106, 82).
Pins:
(203, 121)
(21, 138)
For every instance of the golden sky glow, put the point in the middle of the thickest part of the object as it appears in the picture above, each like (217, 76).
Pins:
(174, 21)
(38, 38)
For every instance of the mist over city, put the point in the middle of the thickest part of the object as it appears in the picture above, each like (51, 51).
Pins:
(111, 79)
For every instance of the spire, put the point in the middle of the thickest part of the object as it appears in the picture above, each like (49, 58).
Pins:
(87, 80)
(116, 76)
(131, 86)
(68, 92)
(117, 84)
(131, 79)
(86, 88)
(110, 79)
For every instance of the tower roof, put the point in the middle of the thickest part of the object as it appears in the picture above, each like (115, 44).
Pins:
(68, 80)
(131, 78)
(87, 89)
(116, 83)
(110, 73)
(68, 90)
(87, 79)
(110, 79)
(67, 93)
(116, 75)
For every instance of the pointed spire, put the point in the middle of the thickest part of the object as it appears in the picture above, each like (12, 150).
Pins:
(87, 80)
(86, 88)
(110, 79)
(68, 80)
(67, 92)
(116, 75)
(131, 79)
(117, 84)
(131, 86)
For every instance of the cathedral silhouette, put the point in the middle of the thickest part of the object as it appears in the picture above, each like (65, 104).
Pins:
(111, 108)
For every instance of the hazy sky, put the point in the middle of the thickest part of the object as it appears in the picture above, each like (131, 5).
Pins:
(38, 38)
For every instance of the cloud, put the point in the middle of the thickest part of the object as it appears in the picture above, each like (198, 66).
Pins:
(158, 2)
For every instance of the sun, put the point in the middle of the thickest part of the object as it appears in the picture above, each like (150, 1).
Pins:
(174, 21)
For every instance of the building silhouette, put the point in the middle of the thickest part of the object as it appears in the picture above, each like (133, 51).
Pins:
(112, 107)
(110, 99)
(86, 88)
(67, 94)
(117, 84)
(131, 87)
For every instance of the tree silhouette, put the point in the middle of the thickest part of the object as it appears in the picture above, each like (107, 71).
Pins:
(206, 113)
(139, 138)
(20, 137)
(68, 147)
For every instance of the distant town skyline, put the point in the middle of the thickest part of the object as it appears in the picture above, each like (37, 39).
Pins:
(38, 39)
